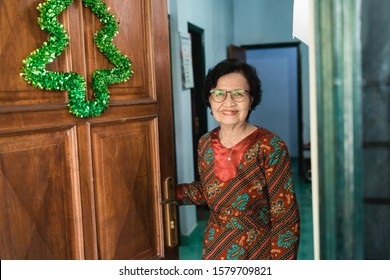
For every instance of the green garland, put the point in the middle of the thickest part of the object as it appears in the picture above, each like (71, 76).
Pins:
(34, 71)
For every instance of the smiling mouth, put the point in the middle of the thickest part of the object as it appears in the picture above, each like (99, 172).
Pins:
(229, 113)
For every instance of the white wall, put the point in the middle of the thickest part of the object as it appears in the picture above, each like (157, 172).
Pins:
(216, 18)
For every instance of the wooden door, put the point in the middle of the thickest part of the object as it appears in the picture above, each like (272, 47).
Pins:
(236, 52)
(85, 188)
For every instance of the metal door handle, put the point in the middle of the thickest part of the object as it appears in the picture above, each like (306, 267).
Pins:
(170, 212)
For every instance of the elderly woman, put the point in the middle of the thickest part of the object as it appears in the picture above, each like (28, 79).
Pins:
(245, 175)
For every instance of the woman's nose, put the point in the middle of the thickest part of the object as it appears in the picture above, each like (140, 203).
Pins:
(229, 100)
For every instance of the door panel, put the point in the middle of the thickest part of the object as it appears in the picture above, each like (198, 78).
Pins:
(101, 177)
(133, 41)
(19, 25)
(128, 224)
(39, 197)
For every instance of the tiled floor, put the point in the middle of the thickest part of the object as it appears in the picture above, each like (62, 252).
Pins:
(191, 246)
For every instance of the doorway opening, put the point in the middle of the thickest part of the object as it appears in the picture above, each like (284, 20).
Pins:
(199, 110)
(284, 111)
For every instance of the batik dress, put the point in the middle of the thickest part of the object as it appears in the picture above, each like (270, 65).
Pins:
(253, 207)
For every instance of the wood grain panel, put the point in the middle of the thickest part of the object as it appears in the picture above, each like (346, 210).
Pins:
(162, 73)
(20, 34)
(73, 188)
(133, 40)
(127, 184)
(40, 212)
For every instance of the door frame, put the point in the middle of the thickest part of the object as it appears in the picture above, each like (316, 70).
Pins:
(296, 45)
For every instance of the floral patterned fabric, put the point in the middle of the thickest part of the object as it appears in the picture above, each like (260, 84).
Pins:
(253, 215)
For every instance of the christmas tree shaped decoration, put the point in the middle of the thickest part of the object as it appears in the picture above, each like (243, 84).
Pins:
(34, 66)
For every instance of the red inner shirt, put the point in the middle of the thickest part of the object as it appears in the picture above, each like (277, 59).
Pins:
(226, 169)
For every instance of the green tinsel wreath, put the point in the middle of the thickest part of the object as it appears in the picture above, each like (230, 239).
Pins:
(34, 72)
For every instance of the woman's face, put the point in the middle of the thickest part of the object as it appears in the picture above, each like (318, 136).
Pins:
(230, 112)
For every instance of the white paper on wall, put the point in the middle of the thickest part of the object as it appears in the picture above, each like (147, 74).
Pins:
(186, 60)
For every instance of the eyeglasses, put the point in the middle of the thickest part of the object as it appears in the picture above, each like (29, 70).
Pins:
(219, 95)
